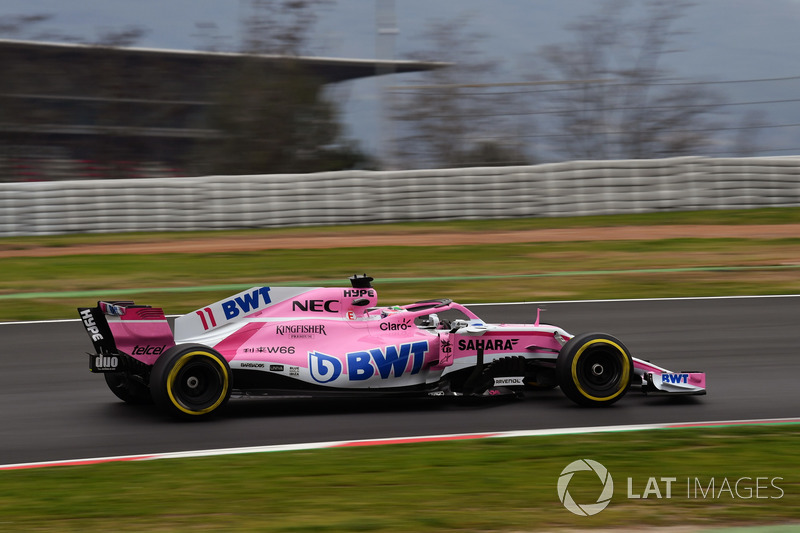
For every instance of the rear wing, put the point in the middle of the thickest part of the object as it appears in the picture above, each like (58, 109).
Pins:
(123, 329)
(96, 325)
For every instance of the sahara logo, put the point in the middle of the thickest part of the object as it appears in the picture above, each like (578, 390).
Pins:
(566, 477)
(324, 368)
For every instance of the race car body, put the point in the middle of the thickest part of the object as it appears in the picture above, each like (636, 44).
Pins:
(333, 341)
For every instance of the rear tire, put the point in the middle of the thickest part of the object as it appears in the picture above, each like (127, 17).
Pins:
(594, 369)
(191, 381)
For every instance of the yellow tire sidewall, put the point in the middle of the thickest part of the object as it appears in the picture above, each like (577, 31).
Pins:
(175, 370)
(625, 378)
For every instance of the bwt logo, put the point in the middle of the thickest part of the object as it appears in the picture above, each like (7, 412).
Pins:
(360, 364)
(324, 368)
(675, 378)
(383, 362)
(566, 476)
(246, 303)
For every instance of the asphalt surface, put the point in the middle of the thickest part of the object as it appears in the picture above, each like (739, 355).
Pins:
(52, 408)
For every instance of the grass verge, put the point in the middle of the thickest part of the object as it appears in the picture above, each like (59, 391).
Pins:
(521, 272)
(784, 215)
(482, 485)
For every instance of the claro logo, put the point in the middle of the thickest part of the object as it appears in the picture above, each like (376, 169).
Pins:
(396, 326)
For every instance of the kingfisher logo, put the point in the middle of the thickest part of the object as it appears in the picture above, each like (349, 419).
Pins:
(590, 508)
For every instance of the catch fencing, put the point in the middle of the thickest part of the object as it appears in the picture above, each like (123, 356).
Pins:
(575, 188)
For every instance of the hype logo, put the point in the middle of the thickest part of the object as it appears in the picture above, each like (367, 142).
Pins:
(323, 368)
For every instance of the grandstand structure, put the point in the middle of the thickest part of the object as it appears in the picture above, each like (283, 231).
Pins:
(82, 111)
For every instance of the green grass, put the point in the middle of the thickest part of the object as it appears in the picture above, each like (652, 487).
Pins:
(784, 215)
(488, 485)
(529, 272)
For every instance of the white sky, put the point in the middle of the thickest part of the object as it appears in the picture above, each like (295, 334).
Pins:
(729, 39)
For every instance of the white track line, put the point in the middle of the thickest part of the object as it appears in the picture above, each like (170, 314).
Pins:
(397, 440)
(532, 302)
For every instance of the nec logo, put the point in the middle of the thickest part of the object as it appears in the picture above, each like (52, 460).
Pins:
(246, 303)
(316, 306)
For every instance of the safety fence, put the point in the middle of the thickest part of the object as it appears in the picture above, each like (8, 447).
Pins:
(575, 188)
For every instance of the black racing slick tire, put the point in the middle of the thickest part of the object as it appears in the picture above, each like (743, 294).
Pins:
(127, 388)
(191, 381)
(594, 369)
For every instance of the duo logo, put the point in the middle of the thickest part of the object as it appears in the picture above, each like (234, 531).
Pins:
(391, 360)
(566, 477)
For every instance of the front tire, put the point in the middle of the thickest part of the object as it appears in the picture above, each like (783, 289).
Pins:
(191, 381)
(594, 369)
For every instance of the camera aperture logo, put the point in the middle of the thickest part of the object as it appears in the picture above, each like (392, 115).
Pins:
(588, 509)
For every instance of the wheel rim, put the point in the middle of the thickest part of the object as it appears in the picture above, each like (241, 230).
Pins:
(198, 383)
(601, 370)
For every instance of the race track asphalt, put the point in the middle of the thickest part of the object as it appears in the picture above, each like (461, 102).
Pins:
(52, 408)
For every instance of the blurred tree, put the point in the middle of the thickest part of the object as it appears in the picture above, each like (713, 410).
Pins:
(636, 112)
(280, 27)
(454, 116)
(276, 119)
(21, 26)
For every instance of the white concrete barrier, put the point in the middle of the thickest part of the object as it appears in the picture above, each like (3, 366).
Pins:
(574, 188)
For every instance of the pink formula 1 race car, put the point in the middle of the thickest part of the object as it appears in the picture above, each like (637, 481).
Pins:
(333, 341)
